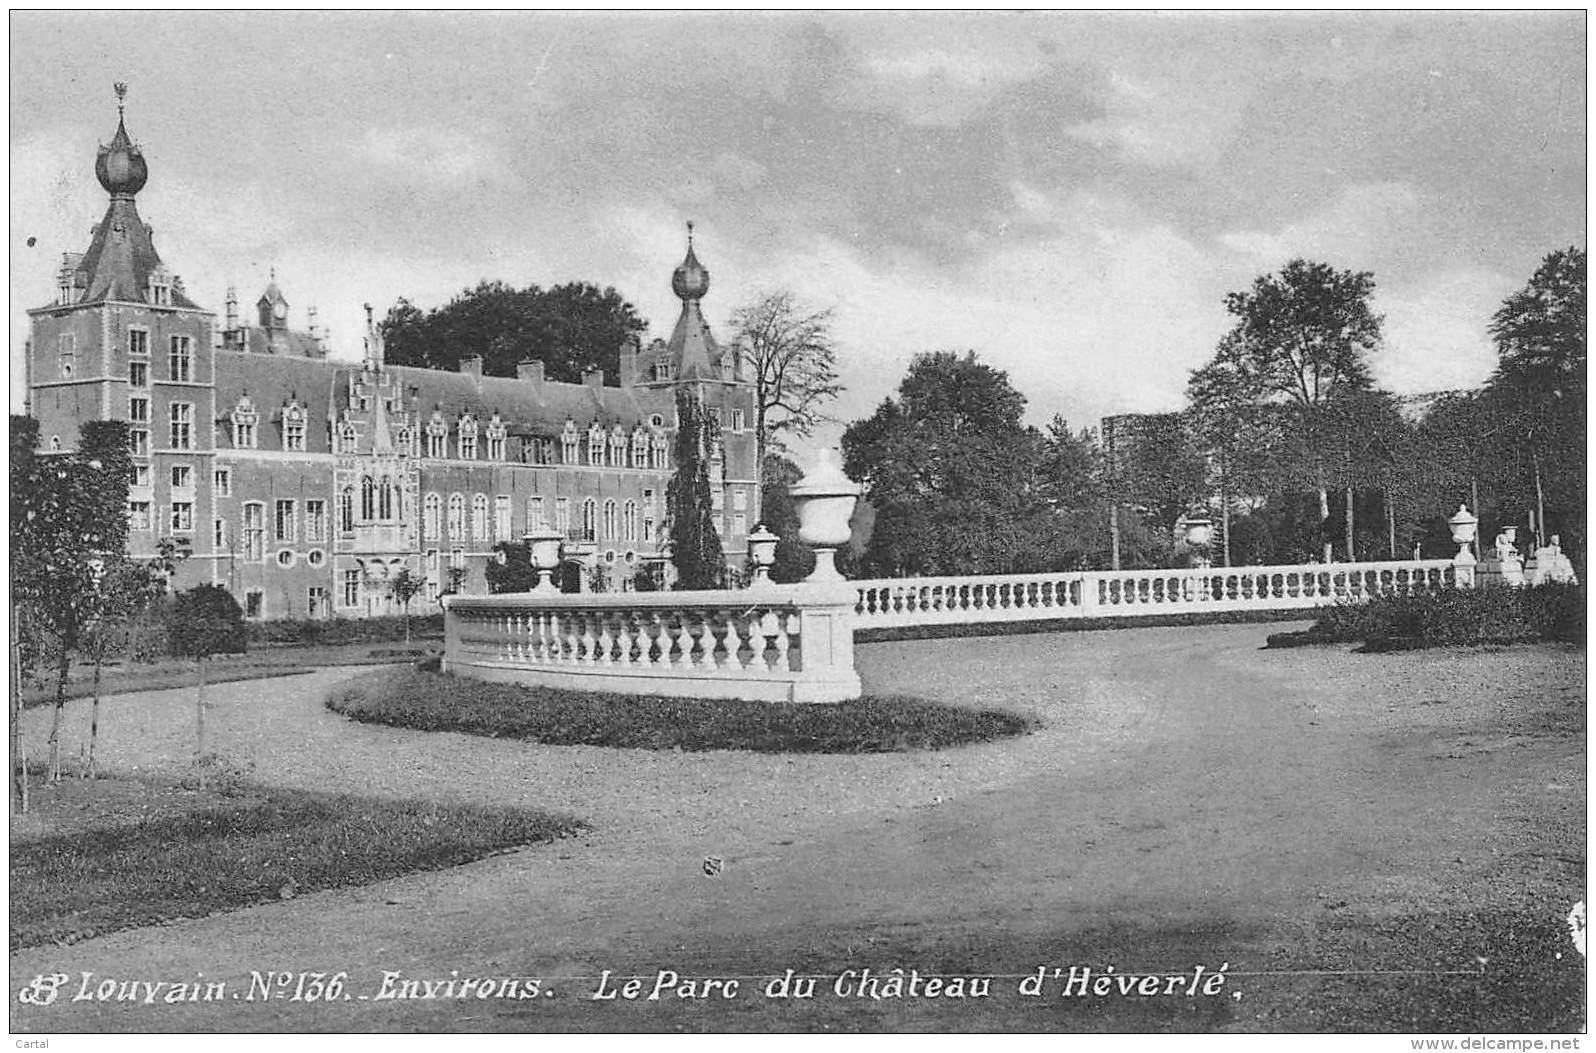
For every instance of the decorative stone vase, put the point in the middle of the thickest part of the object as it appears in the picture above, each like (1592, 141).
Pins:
(762, 553)
(543, 547)
(825, 498)
(1464, 526)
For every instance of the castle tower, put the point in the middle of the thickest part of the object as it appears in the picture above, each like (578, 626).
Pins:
(124, 342)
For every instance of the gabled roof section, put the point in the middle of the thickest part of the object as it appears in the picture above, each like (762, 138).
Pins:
(121, 258)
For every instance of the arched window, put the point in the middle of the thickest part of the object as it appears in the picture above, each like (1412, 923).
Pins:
(346, 511)
(609, 520)
(629, 522)
(432, 514)
(385, 500)
(456, 517)
(479, 517)
(589, 520)
(368, 499)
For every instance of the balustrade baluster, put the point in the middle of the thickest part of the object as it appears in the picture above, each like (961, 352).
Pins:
(783, 643)
(733, 642)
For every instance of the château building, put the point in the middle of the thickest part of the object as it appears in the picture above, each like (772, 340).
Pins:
(303, 484)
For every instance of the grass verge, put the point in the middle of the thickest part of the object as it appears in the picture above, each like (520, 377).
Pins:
(189, 855)
(1061, 625)
(425, 701)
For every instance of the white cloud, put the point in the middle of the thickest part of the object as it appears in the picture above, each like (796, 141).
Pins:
(1158, 124)
(440, 154)
(1360, 222)
(1435, 331)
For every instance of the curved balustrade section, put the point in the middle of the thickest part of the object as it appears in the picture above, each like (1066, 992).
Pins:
(895, 602)
(775, 643)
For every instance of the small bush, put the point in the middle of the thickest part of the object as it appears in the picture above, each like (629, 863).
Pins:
(1452, 616)
(412, 698)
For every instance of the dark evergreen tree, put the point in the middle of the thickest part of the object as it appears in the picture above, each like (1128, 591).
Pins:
(695, 543)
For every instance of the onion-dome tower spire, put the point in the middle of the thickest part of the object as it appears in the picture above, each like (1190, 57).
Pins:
(120, 166)
(692, 350)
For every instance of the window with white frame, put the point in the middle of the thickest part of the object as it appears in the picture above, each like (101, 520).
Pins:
(182, 521)
(660, 459)
(595, 445)
(255, 532)
(589, 520)
(317, 603)
(284, 521)
(138, 515)
(562, 514)
(138, 374)
(138, 410)
(138, 442)
(467, 435)
(346, 511)
(182, 430)
(180, 359)
(648, 528)
(629, 522)
(437, 437)
(387, 500)
(368, 499)
(617, 447)
(219, 534)
(222, 479)
(610, 523)
(568, 442)
(456, 517)
(431, 513)
(351, 595)
(138, 342)
(496, 432)
(139, 477)
(535, 514)
(479, 517)
(182, 477)
(501, 517)
(348, 438)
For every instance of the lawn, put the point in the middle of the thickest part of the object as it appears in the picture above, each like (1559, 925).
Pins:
(96, 857)
(427, 701)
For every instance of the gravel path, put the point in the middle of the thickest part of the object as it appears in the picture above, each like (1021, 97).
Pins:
(1180, 774)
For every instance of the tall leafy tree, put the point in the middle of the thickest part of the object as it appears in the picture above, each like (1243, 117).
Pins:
(1300, 339)
(952, 474)
(571, 328)
(793, 356)
(1538, 389)
(695, 543)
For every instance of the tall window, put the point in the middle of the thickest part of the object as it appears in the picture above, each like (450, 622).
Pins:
(617, 447)
(437, 436)
(138, 342)
(182, 477)
(219, 534)
(386, 494)
(535, 514)
(501, 517)
(317, 601)
(456, 517)
(138, 374)
(737, 420)
(284, 521)
(739, 523)
(368, 499)
(639, 449)
(568, 443)
(138, 515)
(138, 442)
(348, 438)
(255, 531)
(495, 444)
(351, 588)
(595, 445)
(589, 520)
(609, 521)
(629, 522)
(182, 426)
(432, 511)
(315, 520)
(180, 360)
(138, 410)
(140, 476)
(224, 482)
(468, 439)
(659, 458)
(562, 514)
(479, 517)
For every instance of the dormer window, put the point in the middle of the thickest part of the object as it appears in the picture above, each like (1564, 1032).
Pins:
(568, 442)
(437, 436)
(662, 368)
(348, 438)
(595, 444)
(617, 447)
(496, 433)
(294, 429)
(244, 419)
(659, 460)
(467, 437)
(404, 440)
(639, 448)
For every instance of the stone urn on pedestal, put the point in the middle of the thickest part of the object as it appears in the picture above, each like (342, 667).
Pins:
(1465, 525)
(825, 498)
(762, 554)
(543, 549)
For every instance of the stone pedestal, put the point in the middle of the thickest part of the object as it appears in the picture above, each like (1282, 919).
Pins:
(1492, 571)
(1549, 565)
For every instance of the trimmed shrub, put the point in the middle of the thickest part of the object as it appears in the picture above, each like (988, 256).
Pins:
(333, 631)
(1452, 616)
(426, 701)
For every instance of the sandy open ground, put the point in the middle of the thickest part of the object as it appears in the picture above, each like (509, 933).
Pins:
(1350, 834)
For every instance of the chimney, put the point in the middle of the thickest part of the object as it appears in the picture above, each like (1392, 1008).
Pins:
(593, 378)
(629, 351)
(471, 364)
(530, 369)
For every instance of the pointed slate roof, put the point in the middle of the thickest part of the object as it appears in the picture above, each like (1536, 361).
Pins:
(693, 352)
(121, 256)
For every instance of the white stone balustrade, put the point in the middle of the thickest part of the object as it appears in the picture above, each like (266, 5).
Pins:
(774, 643)
(899, 602)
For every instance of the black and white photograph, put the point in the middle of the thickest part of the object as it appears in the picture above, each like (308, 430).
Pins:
(793, 522)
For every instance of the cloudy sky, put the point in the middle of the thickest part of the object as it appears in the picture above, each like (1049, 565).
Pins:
(1069, 195)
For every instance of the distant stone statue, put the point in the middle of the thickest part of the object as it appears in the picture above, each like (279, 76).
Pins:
(1505, 552)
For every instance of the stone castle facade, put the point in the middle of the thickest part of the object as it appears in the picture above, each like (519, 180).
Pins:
(303, 484)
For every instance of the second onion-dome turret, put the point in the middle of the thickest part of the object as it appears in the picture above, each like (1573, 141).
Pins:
(120, 167)
(691, 280)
